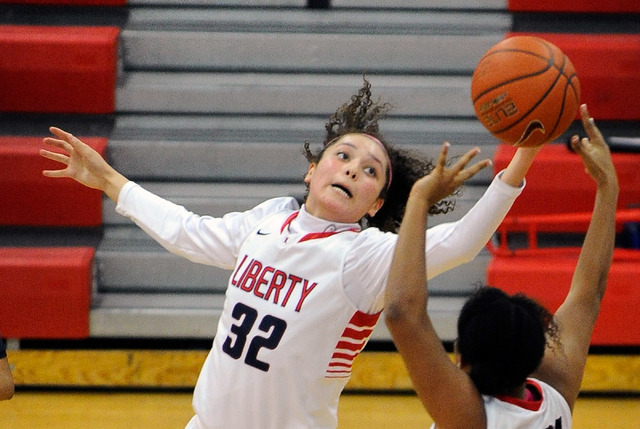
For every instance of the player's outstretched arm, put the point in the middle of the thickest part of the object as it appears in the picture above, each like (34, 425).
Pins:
(82, 163)
(563, 367)
(447, 393)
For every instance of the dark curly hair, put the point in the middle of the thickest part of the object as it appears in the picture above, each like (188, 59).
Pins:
(503, 339)
(361, 115)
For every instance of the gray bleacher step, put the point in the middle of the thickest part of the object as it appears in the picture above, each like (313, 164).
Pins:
(238, 39)
(369, 22)
(420, 4)
(221, 3)
(251, 163)
(147, 271)
(254, 148)
(222, 128)
(200, 161)
(224, 162)
(335, 4)
(313, 53)
(287, 94)
(139, 315)
(151, 271)
(296, 129)
(197, 316)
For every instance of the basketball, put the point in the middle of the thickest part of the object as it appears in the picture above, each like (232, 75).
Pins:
(525, 91)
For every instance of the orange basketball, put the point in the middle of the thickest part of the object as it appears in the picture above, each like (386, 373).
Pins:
(525, 91)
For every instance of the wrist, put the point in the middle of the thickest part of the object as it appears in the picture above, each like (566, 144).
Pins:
(113, 184)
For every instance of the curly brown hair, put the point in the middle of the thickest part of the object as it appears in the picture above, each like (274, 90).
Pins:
(361, 115)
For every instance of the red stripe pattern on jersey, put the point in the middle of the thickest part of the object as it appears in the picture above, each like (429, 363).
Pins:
(351, 343)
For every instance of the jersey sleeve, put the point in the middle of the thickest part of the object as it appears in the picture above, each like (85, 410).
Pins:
(448, 245)
(203, 239)
(455, 243)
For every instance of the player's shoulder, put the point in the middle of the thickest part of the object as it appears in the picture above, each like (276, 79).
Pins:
(278, 204)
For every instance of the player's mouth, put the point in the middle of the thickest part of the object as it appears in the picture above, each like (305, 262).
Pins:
(342, 190)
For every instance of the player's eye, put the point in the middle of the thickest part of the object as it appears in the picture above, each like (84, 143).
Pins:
(371, 171)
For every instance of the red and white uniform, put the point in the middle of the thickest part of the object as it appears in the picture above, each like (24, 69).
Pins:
(549, 411)
(545, 408)
(303, 298)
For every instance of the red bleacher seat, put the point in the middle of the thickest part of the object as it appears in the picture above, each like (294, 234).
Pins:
(608, 67)
(558, 183)
(45, 292)
(30, 199)
(545, 273)
(49, 69)
(547, 277)
(606, 6)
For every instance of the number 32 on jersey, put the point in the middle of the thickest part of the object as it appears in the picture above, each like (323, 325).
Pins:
(239, 339)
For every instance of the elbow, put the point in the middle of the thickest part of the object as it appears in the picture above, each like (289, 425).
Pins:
(403, 316)
(7, 392)
(394, 314)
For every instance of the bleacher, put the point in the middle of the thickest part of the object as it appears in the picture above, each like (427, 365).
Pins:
(209, 102)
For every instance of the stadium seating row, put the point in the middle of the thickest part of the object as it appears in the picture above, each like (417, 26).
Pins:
(75, 70)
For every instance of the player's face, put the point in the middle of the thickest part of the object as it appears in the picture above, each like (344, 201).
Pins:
(345, 184)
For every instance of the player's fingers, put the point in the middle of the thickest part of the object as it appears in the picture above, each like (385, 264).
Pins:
(62, 144)
(54, 173)
(589, 124)
(442, 158)
(475, 168)
(65, 136)
(54, 156)
(465, 159)
(576, 143)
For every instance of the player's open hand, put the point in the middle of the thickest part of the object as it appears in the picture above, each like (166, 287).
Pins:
(81, 162)
(442, 181)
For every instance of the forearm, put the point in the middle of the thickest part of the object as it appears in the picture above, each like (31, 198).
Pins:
(452, 244)
(406, 294)
(447, 393)
(113, 183)
(592, 269)
(517, 169)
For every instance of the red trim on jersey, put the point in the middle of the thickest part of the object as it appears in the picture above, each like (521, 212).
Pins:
(311, 235)
(357, 334)
(362, 319)
(289, 220)
(343, 355)
(352, 341)
(344, 344)
(533, 397)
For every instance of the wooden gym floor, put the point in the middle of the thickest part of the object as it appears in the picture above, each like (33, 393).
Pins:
(123, 389)
(172, 410)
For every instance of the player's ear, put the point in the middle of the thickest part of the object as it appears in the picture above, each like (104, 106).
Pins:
(377, 205)
(309, 175)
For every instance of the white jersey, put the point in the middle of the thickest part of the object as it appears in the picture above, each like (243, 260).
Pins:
(303, 298)
(550, 412)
